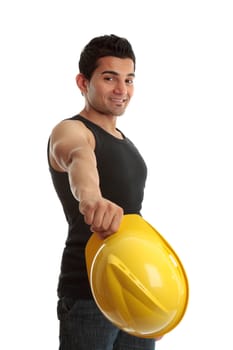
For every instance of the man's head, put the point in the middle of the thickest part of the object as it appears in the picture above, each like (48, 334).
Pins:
(102, 46)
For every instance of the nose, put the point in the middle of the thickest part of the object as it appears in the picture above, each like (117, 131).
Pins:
(120, 87)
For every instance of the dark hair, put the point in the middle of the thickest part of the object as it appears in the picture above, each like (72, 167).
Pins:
(106, 45)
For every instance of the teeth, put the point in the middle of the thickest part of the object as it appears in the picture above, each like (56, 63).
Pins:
(117, 100)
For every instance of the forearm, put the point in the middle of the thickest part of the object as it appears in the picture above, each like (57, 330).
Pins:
(83, 176)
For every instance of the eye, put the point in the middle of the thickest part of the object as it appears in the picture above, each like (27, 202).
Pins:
(129, 81)
(109, 78)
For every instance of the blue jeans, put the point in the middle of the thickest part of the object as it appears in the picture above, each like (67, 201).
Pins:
(84, 327)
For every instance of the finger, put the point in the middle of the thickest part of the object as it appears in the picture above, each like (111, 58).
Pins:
(97, 221)
(88, 214)
(112, 225)
(107, 221)
(116, 221)
(103, 234)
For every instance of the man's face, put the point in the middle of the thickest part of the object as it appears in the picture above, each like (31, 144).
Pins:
(111, 86)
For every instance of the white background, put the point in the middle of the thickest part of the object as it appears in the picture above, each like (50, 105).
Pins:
(180, 119)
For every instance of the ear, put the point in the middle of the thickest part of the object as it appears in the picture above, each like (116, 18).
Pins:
(81, 82)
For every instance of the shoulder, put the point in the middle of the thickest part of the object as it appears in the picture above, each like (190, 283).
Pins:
(67, 137)
(69, 134)
(71, 129)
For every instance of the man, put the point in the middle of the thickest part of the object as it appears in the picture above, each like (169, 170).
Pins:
(99, 175)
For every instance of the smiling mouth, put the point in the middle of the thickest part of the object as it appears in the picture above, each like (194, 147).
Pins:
(120, 101)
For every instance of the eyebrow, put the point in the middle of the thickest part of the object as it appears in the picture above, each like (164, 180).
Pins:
(115, 73)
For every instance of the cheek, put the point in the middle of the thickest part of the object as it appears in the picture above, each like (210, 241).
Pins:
(92, 93)
(96, 96)
(95, 90)
(131, 89)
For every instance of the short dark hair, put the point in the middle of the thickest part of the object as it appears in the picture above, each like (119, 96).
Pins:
(106, 45)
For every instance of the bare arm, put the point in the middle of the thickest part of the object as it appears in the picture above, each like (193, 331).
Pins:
(72, 150)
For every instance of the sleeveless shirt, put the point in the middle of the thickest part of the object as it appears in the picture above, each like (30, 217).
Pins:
(122, 173)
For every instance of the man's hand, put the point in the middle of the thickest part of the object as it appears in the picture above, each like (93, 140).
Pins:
(103, 216)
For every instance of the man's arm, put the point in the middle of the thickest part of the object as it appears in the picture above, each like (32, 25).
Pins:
(72, 150)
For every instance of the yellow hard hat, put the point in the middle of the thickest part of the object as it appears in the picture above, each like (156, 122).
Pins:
(137, 280)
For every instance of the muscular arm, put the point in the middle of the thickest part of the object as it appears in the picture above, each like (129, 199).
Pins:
(72, 151)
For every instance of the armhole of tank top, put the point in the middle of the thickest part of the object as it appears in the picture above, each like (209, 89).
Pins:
(94, 133)
(79, 118)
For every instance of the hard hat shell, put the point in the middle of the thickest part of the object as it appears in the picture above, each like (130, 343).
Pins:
(136, 278)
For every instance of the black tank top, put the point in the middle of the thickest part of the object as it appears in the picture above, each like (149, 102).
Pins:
(122, 172)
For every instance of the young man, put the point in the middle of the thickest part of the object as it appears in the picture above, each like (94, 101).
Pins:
(99, 175)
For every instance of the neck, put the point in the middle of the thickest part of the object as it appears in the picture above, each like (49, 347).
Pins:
(106, 122)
